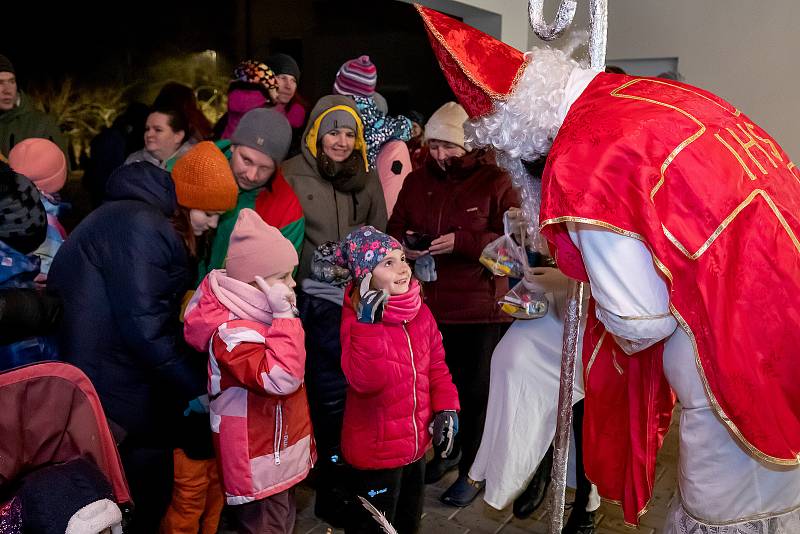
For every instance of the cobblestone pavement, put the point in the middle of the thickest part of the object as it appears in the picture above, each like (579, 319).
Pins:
(480, 518)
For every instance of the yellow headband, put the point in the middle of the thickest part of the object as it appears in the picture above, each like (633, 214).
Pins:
(360, 145)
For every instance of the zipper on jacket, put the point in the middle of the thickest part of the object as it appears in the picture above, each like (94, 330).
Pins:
(278, 432)
(355, 208)
(414, 413)
(336, 205)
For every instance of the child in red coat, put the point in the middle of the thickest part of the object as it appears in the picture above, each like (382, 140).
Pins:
(399, 388)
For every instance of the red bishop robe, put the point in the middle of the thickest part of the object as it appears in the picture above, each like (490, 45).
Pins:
(717, 202)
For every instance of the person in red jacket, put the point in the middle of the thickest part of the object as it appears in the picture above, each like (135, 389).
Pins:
(399, 387)
(244, 316)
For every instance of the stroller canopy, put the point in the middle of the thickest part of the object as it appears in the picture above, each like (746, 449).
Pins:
(50, 413)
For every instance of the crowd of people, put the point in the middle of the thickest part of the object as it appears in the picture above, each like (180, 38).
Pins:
(327, 295)
(293, 288)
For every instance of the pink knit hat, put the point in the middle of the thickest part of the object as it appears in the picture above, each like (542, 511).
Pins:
(42, 162)
(257, 249)
(356, 77)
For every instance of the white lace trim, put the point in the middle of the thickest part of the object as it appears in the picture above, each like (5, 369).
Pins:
(680, 522)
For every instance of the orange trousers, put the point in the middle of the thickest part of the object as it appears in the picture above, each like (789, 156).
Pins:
(197, 497)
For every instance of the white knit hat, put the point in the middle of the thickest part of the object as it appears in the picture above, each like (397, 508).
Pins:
(96, 517)
(447, 124)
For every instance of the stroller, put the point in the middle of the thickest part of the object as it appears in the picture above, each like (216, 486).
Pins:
(60, 471)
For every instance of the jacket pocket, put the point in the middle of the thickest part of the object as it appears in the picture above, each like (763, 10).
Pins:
(473, 218)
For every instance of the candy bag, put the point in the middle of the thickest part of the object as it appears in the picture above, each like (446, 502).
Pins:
(524, 303)
(505, 256)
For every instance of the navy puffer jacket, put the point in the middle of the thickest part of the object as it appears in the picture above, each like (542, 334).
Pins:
(121, 276)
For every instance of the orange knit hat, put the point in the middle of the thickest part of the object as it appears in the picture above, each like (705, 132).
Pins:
(203, 179)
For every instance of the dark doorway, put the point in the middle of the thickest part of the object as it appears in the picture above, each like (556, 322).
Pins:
(390, 32)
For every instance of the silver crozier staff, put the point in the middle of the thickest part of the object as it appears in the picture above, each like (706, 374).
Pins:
(598, 26)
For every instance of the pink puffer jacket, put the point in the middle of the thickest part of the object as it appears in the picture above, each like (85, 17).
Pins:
(397, 380)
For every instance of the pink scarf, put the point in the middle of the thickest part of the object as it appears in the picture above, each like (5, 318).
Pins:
(402, 308)
(243, 300)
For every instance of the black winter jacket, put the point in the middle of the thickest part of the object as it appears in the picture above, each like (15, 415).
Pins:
(121, 276)
(325, 380)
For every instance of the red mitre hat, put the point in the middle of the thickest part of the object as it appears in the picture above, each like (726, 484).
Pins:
(478, 67)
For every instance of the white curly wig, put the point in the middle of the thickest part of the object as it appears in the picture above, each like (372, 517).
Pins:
(524, 126)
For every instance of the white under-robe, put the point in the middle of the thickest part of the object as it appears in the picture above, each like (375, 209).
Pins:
(523, 398)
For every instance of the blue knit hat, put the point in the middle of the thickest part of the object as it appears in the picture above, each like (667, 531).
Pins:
(363, 249)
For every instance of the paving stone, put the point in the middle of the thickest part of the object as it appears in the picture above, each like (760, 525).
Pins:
(479, 517)
(436, 524)
(434, 506)
(536, 527)
(612, 525)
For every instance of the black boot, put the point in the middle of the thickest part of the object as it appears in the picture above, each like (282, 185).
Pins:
(579, 522)
(533, 496)
(439, 467)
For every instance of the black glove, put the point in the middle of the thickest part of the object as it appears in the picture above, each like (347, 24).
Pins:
(370, 306)
(444, 429)
(27, 313)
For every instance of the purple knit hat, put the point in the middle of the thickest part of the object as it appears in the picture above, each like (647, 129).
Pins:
(363, 249)
(356, 77)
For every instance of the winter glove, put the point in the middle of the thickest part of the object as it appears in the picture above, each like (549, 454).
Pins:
(27, 313)
(280, 297)
(197, 405)
(444, 429)
(425, 268)
(372, 301)
(370, 306)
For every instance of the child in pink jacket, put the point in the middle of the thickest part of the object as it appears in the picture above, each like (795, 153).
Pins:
(244, 317)
(399, 387)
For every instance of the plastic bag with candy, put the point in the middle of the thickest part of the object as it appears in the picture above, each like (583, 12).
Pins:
(523, 303)
(505, 256)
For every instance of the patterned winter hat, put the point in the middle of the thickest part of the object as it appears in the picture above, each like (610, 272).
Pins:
(252, 72)
(23, 221)
(356, 77)
(324, 267)
(363, 249)
(379, 127)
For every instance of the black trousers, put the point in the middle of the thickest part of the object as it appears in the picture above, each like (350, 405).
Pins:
(149, 470)
(399, 493)
(468, 352)
(584, 487)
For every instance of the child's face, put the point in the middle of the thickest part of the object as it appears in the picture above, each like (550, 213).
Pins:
(281, 278)
(392, 274)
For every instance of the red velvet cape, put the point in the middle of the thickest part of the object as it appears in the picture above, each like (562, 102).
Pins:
(717, 202)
